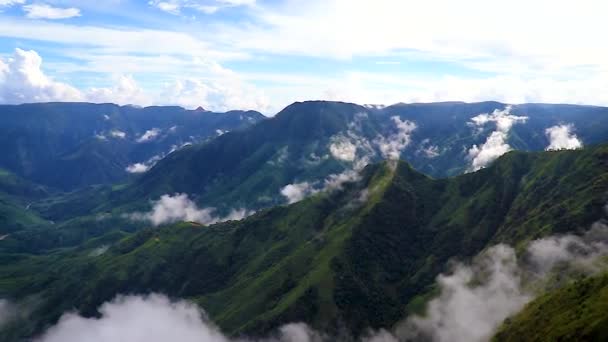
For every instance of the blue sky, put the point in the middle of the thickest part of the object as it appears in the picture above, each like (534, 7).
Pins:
(263, 55)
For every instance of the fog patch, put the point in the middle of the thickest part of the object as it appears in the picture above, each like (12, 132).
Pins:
(118, 134)
(176, 208)
(561, 137)
(392, 146)
(7, 312)
(144, 166)
(99, 251)
(476, 298)
(496, 144)
(297, 191)
(428, 150)
(149, 135)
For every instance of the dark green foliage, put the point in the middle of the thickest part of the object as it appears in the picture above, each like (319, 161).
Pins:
(55, 144)
(577, 312)
(329, 260)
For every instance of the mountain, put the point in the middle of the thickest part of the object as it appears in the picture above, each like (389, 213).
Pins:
(574, 312)
(361, 256)
(71, 145)
(310, 141)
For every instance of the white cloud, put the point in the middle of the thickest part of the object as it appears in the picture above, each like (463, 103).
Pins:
(125, 91)
(208, 7)
(392, 146)
(152, 318)
(149, 135)
(179, 207)
(337, 181)
(561, 137)
(115, 133)
(138, 168)
(227, 92)
(297, 191)
(476, 298)
(44, 11)
(496, 144)
(428, 150)
(22, 81)
(156, 318)
(8, 3)
(342, 149)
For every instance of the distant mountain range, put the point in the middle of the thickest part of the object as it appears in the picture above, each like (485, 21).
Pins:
(71, 145)
(333, 214)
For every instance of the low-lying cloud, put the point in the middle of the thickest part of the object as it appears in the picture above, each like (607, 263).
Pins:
(176, 208)
(155, 318)
(144, 166)
(503, 285)
(298, 191)
(392, 146)
(149, 135)
(561, 137)
(496, 144)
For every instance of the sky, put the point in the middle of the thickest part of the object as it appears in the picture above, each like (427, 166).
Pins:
(265, 54)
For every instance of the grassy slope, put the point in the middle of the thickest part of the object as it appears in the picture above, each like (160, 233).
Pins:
(325, 260)
(577, 312)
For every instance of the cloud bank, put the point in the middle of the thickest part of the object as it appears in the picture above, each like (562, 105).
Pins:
(476, 298)
(170, 209)
(496, 144)
(561, 137)
(155, 318)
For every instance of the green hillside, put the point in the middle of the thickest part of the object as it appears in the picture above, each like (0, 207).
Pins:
(336, 259)
(577, 312)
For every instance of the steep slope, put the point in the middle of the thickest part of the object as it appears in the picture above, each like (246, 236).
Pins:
(16, 196)
(309, 141)
(69, 145)
(354, 258)
(576, 312)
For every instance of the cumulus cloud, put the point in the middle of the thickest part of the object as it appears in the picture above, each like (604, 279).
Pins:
(561, 137)
(225, 92)
(392, 146)
(476, 298)
(149, 135)
(125, 91)
(44, 11)
(22, 81)
(179, 207)
(496, 144)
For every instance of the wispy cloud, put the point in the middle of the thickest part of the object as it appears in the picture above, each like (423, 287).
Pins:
(178, 207)
(44, 11)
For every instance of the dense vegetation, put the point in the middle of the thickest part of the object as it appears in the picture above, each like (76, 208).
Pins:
(577, 312)
(71, 145)
(339, 259)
